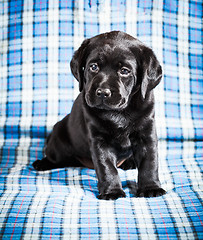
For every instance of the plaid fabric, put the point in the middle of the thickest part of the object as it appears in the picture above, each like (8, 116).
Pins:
(37, 40)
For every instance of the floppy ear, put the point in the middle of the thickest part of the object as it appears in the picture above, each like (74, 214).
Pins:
(77, 63)
(151, 71)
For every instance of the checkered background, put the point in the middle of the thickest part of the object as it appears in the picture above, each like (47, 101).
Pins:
(37, 41)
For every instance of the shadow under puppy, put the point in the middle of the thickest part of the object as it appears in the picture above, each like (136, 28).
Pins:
(112, 120)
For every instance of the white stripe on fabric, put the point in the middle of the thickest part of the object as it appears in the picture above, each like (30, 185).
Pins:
(53, 67)
(144, 219)
(131, 17)
(104, 16)
(27, 67)
(3, 63)
(35, 216)
(183, 73)
(157, 46)
(107, 220)
(78, 33)
(70, 218)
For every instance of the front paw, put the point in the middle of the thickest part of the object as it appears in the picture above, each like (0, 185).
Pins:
(150, 192)
(112, 195)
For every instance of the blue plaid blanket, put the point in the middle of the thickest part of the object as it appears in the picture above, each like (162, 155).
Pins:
(37, 41)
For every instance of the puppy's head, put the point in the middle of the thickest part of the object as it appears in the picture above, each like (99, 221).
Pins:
(112, 67)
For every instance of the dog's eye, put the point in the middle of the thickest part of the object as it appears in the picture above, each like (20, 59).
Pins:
(94, 67)
(124, 71)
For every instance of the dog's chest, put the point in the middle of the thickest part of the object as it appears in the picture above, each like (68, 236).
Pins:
(122, 147)
(118, 128)
(117, 120)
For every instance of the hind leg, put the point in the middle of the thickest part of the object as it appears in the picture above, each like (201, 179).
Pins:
(58, 151)
(45, 164)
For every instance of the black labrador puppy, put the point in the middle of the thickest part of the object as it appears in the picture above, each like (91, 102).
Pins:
(112, 120)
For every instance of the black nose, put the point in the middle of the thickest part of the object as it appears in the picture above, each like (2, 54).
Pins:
(103, 93)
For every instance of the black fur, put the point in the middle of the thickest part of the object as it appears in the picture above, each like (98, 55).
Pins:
(112, 121)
